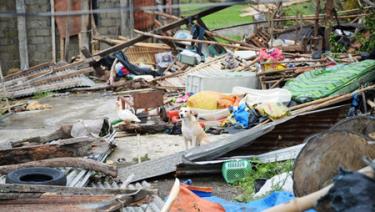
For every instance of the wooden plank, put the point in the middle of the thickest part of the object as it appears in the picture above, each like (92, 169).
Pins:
(74, 147)
(83, 37)
(5, 188)
(82, 163)
(161, 29)
(22, 35)
(4, 90)
(194, 40)
(53, 31)
(67, 30)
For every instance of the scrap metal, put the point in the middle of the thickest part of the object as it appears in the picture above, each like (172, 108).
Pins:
(154, 205)
(46, 78)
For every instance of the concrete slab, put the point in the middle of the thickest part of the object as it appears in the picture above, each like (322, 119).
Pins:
(65, 109)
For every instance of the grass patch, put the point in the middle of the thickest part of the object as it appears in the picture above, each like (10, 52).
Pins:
(43, 94)
(307, 8)
(262, 170)
(224, 18)
(143, 158)
(233, 37)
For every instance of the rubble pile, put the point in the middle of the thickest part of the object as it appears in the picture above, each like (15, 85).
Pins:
(302, 93)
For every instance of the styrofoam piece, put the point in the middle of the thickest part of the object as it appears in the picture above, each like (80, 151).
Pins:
(220, 81)
(243, 54)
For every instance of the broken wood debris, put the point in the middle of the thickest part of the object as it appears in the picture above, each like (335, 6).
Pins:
(73, 147)
(87, 164)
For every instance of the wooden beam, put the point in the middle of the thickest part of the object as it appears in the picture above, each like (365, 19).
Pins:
(24, 188)
(53, 31)
(4, 90)
(22, 35)
(329, 5)
(67, 30)
(161, 29)
(335, 100)
(194, 40)
(87, 164)
(74, 147)
(83, 35)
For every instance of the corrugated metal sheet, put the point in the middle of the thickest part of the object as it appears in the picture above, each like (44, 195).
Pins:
(43, 78)
(154, 206)
(294, 131)
(180, 80)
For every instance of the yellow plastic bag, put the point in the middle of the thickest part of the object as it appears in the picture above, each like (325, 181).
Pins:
(272, 110)
(274, 67)
(211, 100)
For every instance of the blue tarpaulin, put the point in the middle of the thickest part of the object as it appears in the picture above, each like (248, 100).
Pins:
(271, 200)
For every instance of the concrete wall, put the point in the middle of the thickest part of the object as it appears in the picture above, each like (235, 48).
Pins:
(39, 32)
(9, 56)
(109, 23)
(38, 29)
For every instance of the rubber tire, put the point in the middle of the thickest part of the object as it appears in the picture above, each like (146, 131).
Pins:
(57, 176)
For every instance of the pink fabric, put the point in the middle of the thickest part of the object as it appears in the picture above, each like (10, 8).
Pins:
(274, 54)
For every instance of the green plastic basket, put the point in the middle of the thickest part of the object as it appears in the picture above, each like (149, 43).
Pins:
(235, 170)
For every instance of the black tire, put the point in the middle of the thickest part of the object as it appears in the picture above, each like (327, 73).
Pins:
(37, 176)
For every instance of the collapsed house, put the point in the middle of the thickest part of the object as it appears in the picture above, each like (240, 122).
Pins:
(277, 94)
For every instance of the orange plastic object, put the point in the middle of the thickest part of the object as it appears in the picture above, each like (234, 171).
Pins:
(173, 116)
(187, 201)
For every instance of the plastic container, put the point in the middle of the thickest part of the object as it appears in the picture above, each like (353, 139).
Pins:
(220, 81)
(235, 170)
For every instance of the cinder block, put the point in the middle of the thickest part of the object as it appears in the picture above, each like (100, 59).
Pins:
(38, 40)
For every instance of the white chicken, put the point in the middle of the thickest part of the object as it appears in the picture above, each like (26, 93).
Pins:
(125, 114)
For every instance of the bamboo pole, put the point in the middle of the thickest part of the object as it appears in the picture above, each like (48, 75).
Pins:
(296, 107)
(332, 101)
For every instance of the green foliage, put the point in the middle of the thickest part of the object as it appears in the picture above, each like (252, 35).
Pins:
(368, 44)
(40, 95)
(336, 47)
(233, 37)
(262, 170)
(143, 158)
(306, 8)
(224, 18)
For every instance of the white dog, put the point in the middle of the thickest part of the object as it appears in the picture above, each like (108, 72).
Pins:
(191, 130)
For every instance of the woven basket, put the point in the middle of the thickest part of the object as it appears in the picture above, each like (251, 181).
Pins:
(143, 55)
